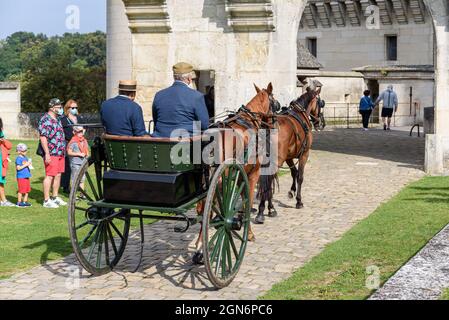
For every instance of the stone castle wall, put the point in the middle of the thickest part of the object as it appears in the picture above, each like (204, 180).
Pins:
(204, 33)
(10, 108)
(342, 49)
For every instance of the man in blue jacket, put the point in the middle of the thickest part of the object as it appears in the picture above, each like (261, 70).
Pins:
(179, 106)
(121, 116)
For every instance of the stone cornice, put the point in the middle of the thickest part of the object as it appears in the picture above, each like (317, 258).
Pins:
(400, 11)
(338, 13)
(341, 13)
(409, 72)
(417, 9)
(353, 13)
(250, 15)
(148, 16)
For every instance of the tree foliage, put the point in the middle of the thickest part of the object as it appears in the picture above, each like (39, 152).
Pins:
(72, 66)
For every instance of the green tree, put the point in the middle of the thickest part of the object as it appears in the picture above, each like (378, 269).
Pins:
(72, 66)
(11, 49)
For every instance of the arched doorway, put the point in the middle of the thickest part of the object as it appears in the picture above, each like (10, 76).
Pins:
(437, 144)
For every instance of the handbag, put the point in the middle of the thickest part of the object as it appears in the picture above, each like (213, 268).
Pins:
(40, 150)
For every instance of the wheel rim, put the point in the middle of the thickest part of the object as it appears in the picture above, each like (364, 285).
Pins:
(226, 224)
(98, 235)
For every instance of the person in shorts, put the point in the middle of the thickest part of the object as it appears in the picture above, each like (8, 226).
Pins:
(53, 143)
(78, 150)
(23, 166)
(390, 105)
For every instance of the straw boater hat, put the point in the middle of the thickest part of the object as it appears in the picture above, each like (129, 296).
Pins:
(128, 85)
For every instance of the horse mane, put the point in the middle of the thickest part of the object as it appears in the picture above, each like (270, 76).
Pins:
(305, 99)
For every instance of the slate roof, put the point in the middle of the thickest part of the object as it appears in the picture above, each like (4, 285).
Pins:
(306, 60)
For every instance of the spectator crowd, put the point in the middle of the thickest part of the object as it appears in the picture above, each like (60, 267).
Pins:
(63, 149)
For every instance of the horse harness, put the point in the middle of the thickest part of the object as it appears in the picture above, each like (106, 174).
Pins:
(253, 120)
(294, 111)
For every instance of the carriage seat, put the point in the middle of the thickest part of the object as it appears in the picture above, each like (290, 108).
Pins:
(149, 154)
(142, 171)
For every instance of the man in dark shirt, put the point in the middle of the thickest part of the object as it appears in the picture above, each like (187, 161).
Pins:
(179, 107)
(121, 116)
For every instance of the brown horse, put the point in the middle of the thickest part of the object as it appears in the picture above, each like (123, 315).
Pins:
(294, 142)
(251, 117)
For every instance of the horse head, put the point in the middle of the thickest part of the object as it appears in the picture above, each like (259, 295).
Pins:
(309, 101)
(264, 101)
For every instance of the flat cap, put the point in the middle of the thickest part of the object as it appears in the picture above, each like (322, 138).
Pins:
(127, 85)
(182, 68)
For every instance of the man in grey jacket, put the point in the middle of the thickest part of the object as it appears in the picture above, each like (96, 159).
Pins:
(390, 105)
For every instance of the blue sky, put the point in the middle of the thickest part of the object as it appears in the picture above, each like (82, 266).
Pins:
(49, 16)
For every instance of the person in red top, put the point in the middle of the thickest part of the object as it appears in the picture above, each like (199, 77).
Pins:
(5, 146)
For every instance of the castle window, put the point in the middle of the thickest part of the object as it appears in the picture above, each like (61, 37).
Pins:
(312, 46)
(392, 47)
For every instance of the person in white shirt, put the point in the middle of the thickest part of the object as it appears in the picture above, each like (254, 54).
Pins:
(390, 105)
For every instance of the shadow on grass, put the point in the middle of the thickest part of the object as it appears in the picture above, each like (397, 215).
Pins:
(58, 245)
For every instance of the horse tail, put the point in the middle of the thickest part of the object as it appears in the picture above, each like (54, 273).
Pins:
(267, 183)
(267, 186)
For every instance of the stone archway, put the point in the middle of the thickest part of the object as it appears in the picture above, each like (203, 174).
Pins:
(437, 145)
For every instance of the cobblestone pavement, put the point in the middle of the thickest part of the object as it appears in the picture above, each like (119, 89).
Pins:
(349, 174)
(424, 277)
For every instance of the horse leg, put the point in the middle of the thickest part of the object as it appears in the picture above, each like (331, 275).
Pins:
(294, 174)
(253, 178)
(260, 219)
(272, 213)
(197, 257)
(300, 180)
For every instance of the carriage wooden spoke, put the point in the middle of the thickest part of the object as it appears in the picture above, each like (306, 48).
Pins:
(222, 254)
(97, 245)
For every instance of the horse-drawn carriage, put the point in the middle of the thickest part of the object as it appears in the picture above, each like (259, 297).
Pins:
(142, 177)
(136, 177)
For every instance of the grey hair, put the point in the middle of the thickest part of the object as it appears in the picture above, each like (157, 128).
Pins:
(182, 76)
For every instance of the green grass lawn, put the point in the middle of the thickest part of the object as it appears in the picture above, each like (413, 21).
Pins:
(33, 235)
(388, 238)
(445, 295)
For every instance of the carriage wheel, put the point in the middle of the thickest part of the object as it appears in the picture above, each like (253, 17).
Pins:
(226, 221)
(98, 235)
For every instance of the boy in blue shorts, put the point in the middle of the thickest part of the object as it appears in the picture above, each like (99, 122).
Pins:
(23, 165)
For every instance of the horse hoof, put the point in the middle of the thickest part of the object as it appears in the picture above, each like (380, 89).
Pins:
(273, 213)
(251, 237)
(260, 219)
(290, 195)
(299, 206)
(197, 258)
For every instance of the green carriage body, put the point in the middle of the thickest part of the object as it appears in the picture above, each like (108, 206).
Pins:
(149, 171)
(148, 154)
(134, 177)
